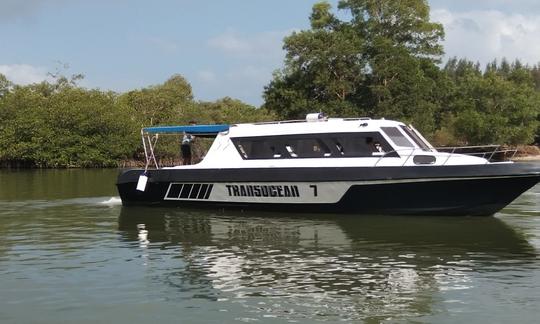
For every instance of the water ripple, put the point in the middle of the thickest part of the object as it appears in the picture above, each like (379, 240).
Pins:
(89, 259)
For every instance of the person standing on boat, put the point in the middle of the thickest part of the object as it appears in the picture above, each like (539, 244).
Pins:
(374, 146)
(185, 149)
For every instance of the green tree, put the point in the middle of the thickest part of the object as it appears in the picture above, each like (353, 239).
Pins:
(228, 110)
(22, 125)
(61, 125)
(161, 104)
(535, 71)
(5, 85)
(323, 69)
(499, 105)
(381, 62)
(403, 24)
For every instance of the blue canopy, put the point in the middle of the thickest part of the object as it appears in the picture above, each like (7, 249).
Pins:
(191, 129)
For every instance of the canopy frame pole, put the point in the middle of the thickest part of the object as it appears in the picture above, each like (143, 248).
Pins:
(145, 151)
(148, 147)
(152, 146)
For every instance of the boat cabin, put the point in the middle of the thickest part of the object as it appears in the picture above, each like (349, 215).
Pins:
(314, 142)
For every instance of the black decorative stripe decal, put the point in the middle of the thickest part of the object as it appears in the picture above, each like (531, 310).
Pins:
(208, 191)
(194, 191)
(202, 192)
(185, 191)
(188, 191)
(174, 190)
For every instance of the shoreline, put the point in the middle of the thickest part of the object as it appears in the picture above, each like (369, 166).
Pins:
(139, 164)
(526, 158)
(529, 153)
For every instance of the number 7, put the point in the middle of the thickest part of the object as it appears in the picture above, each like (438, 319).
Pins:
(314, 187)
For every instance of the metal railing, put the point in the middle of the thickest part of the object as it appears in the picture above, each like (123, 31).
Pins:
(491, 153)
(304, 120)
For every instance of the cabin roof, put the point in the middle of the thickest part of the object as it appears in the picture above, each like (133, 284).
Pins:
(278, 127)
(331, 125)
(191, 129)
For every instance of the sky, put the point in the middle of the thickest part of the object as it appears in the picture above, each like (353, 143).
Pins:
(223, 48)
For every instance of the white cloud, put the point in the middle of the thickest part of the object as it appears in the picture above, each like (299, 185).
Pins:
(249, 59)
(230, 43)
(250, 73)
(245, 83)
(206, 76)
(162, 44)
(11, 10)
(260, 46)
(23, 73)
(517, 6)
(489, 34)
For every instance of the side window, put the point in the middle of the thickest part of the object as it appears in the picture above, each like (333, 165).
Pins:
(314, 146)
(397, 137)
(359, 145)
(351, 146)
(262, 148)
(306, 148)
(276, 151)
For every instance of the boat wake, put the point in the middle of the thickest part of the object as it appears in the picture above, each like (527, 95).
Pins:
(92, 201)
(43, 204)
(113, 201)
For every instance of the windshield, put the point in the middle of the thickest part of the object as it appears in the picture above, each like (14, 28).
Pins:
(419, 141)
(397, 137)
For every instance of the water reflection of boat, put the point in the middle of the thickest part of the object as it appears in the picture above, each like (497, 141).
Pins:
(386, 265)
(487, 235)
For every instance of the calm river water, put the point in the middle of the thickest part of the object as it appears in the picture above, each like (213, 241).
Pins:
(70, 253)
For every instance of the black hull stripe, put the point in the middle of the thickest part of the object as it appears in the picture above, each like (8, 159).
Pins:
(372, 182)
(324, 174)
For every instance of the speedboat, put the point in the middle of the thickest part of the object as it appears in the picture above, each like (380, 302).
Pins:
(327, 165)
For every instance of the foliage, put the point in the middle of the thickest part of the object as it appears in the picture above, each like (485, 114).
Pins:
(383, 62)
(159, 104)
(379, 63)
(59, 124)
(227, 111)
(5, 85)
(498, 105)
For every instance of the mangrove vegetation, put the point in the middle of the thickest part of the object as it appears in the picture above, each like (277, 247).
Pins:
(383, 60)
